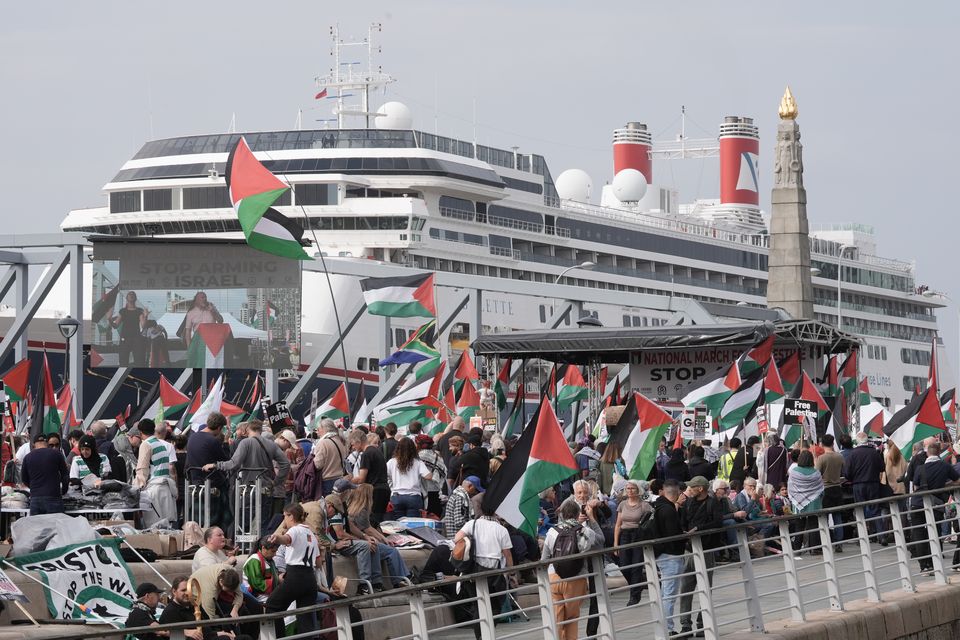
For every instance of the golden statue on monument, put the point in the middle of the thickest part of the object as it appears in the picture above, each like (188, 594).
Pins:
(788, 106)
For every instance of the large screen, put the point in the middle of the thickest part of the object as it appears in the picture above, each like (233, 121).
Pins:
(194, 304)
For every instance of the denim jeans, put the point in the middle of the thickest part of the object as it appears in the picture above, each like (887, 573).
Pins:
(405, 505)
(863, 491)
(670, 566)
(40, 505)
(395, 564)
(368, 561)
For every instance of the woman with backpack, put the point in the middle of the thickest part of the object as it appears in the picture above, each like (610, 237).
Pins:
(631, 511)
(434, 463)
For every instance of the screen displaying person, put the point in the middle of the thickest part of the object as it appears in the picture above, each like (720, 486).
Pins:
(130, 320)
(201, 311)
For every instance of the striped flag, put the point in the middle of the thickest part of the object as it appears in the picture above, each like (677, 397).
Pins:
(209, 405)
(790, 371)
(638, 433)
(743, 401)
(873, 416)
(863, 392)
(831, 377)
(918, 420)
(848, 374)
(16, 380)
(933, 381)
(715, 389)
(46, 418)
(948, 405)
(806, 390)
(335, 406)
(572, 388)
(503, 384)
(420, 347)
(773, 384)
(465, 368)
(400, 296)
(468, 405)
(206, 350)
(756, 356)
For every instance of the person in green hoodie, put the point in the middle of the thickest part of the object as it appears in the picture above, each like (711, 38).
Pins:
(260, 571)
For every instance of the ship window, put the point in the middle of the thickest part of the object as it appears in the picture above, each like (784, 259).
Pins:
(915, 356)
(399, 337)
(315, 194)
(205, 198)
(124, 201)
(374, 365)
(157, 199)
(626, 321)
(361, 364)
(543, 314)
(911, 383)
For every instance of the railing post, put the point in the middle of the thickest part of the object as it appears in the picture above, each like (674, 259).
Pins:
(418, 616)
(656, 594)
(704, 590)
(790, 573)
(176, 634)
(933, 533)
(866, 556)
(268, 630)
(545, 593)
(830, 563)
(344, 628)
(749, 583)
(900, 543)
(485, 610)
(604, 614)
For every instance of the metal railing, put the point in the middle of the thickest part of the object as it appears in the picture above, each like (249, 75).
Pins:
(783, 567)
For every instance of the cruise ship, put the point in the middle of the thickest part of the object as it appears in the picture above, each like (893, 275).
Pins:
(374, 187)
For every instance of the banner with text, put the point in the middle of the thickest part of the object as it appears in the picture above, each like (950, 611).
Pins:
(91, 574)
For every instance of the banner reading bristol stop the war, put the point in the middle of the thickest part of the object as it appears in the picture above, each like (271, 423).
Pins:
(91, 574)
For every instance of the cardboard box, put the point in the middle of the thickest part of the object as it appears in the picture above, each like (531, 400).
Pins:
(162, 544)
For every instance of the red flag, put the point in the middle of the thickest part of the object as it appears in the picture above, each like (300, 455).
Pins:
(466, 370)
(95, 358)
(16, 380)
(322, 94)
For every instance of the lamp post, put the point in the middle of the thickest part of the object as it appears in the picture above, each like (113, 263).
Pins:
(68, 328)
(843, 248)
(583, 265)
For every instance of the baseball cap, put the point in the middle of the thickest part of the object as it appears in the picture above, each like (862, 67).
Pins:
(697, 481)
(40, 437)
(343, 485)
(145, 588)
(475, 481)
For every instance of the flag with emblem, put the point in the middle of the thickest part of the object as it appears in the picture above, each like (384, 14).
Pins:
(253, 190)
(920, 419)
(420, 347)
(400, 296)
(639, 431)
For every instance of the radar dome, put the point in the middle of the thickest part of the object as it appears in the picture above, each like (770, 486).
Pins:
(393, 115)
(574, 184)
(629, 185)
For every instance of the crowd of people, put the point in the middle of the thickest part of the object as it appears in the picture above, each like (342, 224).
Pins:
(327, 493)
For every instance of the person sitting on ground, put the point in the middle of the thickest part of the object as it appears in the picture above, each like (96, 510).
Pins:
(144, 612)
(212, 552)
(260, 573)
(90, 463)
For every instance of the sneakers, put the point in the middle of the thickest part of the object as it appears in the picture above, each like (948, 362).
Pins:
(403, 582)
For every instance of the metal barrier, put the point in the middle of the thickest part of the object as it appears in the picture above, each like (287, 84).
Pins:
(196, 500)
(768, 569)
(248, 508)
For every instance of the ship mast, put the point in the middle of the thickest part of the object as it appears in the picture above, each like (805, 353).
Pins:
(349, 84)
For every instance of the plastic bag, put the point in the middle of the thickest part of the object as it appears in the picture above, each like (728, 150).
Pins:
(49, 531)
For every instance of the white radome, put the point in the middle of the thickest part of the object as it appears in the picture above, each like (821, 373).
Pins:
(629, 185)
(574, 184)
(393, 115)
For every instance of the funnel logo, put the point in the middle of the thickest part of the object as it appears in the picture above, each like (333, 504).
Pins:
(749, 173)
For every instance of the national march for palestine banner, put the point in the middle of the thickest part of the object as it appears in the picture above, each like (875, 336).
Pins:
(91, 573)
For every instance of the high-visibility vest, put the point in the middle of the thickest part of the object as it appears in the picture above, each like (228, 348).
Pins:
(726, 465)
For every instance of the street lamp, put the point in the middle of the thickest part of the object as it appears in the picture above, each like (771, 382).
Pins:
(68, 327)
(843, 248)
(583, 265)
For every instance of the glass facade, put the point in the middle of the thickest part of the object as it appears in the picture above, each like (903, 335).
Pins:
(124, 201)
(157, 199)
(315, 194)
(206, 198)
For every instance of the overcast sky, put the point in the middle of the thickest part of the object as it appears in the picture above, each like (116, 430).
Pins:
(86, 83)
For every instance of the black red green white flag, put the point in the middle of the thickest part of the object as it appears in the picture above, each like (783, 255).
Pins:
(400, 296)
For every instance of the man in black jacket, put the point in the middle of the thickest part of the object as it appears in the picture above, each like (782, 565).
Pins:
(669, 554)
(862, 469)
(699, 466)
(700, 512)
(933, 473)
(473, 462)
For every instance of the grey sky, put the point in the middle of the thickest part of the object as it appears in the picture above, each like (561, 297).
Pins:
(85, 83)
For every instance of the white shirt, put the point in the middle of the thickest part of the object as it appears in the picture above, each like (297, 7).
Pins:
(407, 484)
(22, 452)
(303, 548)
(491, 539)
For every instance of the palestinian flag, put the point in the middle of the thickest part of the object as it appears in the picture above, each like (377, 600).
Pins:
(234, 415)
(419, 395)
(358, 408)
(418, 348)
(572, 388)
(948, 405)
(148, 405)
(806, 390)
(515, 420)
(715, 389)
(272, 313)
(206, 348)
(96, 360)
(831, 378)
(253, 400)
(920, 419)
(209, 405)
(104, 305)
(773, 384)
(123, 418)
(756, 356)
(864, 393)
(873, 416)
(933, 381)
(541, 458)
(16, 381)
(468, 404)
(192, 409)
(336, 405)
(790, 371)
(400, 296)
(503, 384)
(253, 190)
(46, 418)
(68, 418)
(641, 428)
(739, 406)
(172, 399)
(427, 369)
(614, 398)
(465, 369)
(848, 375)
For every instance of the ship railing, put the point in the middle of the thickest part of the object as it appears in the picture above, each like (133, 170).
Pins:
(507, 223)
(505, 252)
(864, 308)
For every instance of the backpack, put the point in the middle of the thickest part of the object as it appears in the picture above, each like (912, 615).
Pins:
(648, 527)
(305, 482)
(567, 546)
(463, 555)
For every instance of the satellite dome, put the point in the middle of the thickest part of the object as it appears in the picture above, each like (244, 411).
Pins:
(574, 184)
(629, 185)
(393, 115)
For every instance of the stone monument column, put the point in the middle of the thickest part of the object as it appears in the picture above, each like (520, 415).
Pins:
(789, 283)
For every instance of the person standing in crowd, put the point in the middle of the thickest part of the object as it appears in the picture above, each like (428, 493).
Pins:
(156, 474)
(630, 512)
(44, 471)
(588, 460)
(372, 470)
(677, 469)
(390, 440)
(212, 552)
(700, 512)
(805, 489)
(127, 446)
(862, 469)
(776, 461)
(610, 463)
(302, 559)
(459, 507)
(454, 429)
(699, 466)
(329, 455)
(475, 461)
(130, 320)
(144, 611)
(492, 549)
(438, 472)
(404, 472)
(934, 473)
(568, 594)
(205, 447)
(895, 468)
(830, 466)
(105, 446)
(669, 555)
(90, 463)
